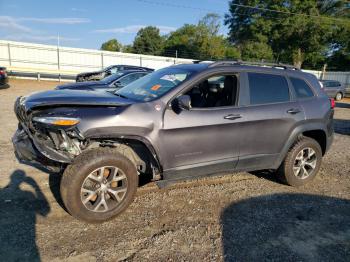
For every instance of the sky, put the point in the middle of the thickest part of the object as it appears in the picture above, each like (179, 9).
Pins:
(88, 23)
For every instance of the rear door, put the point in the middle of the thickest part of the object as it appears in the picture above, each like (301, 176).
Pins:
(268, 119)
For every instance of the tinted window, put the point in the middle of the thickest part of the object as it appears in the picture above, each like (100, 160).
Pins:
(301, 88)
(215, 91)
(130, 78)
(265, 88)
(334, 84)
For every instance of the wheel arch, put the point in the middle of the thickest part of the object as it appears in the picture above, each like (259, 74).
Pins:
(316, 131)
(132, 141)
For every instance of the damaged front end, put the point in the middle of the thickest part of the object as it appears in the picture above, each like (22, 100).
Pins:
(48, 141)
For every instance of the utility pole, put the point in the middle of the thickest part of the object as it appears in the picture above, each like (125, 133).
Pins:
(58, 57)
(324, 71)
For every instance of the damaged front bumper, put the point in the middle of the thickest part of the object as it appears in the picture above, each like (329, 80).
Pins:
(30, 151)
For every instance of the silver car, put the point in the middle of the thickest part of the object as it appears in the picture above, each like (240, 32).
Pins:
(334, 89)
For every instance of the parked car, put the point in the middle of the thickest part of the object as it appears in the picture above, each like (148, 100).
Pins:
(3, 76)
(176, 123)
(110, 70)
(110, 83)
(334, 89)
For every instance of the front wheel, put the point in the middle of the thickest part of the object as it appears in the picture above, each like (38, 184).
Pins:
(301, 163)
(100, 184)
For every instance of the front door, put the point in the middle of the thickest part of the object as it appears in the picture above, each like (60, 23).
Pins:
(204, 136)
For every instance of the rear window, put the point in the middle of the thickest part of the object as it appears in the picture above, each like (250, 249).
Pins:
(301, 88)
(267, 88)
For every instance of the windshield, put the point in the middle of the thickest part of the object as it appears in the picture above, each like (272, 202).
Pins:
(111, 78)
(154, 85)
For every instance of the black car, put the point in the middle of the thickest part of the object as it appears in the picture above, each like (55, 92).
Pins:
(3, 77)
(176, 123)
(110, 70)
(110, 83)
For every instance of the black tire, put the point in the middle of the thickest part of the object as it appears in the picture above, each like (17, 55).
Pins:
(338, 96)
(76, 173)
(285, 172)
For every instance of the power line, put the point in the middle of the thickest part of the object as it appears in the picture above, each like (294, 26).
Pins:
(244, 6)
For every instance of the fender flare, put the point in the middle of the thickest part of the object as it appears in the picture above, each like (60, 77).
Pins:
(138, 138)
(296, 132)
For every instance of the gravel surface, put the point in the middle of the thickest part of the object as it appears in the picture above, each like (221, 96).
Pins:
(238, 217)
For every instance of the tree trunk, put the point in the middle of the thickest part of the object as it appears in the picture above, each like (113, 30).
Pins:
(298, 58)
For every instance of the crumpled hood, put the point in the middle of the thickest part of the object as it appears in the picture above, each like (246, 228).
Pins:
(73, 97)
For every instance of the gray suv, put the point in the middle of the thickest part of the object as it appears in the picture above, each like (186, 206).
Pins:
(177, 123)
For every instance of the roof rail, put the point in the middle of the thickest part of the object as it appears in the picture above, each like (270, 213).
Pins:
(239, 62)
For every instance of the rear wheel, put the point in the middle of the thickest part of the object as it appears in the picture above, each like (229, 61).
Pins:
(339, 96)
(301, 163)
(99, 185)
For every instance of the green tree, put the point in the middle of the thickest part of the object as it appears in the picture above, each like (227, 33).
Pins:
(201, 41)
(111, 45)
(148, 41)
(128, 49)
(291, 38)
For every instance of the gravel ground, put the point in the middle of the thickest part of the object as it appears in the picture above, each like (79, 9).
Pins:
(239, 217)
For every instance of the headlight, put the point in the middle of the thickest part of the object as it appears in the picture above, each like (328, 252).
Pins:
(57, 121)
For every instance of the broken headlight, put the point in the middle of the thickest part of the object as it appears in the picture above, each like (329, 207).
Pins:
(57, 121)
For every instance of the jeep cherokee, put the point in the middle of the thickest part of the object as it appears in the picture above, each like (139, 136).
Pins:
(176, 123)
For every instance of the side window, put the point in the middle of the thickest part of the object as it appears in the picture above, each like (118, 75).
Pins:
(129, 78)
(216, 91)
(301, 88)
(267, 88)
(335, 84)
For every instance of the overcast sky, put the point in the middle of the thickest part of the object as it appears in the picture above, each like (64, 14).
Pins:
(88, 23)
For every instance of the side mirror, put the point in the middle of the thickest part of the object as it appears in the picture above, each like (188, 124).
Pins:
(184, 102)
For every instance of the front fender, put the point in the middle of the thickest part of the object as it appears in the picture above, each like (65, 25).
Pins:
(111, 133)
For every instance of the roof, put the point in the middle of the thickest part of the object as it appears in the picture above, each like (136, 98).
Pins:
(262, 67)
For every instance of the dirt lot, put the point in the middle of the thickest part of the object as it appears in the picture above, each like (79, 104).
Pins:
(239, 217)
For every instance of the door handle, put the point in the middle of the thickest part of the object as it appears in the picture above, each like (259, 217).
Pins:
(232, 117)
(293, 111)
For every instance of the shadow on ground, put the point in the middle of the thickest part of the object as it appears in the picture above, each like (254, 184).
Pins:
(5, 86)
(342, 105)
(287, 227)
(19, 210)
(342, 126)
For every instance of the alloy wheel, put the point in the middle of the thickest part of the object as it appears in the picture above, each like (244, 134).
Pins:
(305, 163)
(104, 189)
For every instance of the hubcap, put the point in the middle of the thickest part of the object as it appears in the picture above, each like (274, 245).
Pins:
(339, 96)
(305, 163)
(104, 189)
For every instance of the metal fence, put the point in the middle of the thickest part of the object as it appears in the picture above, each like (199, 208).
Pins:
(53, 60)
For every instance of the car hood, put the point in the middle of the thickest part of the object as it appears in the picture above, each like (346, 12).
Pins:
(72, 98)
(89, 85)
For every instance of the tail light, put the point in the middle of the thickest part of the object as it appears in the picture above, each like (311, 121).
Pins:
(2, 72)
(332, 103)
